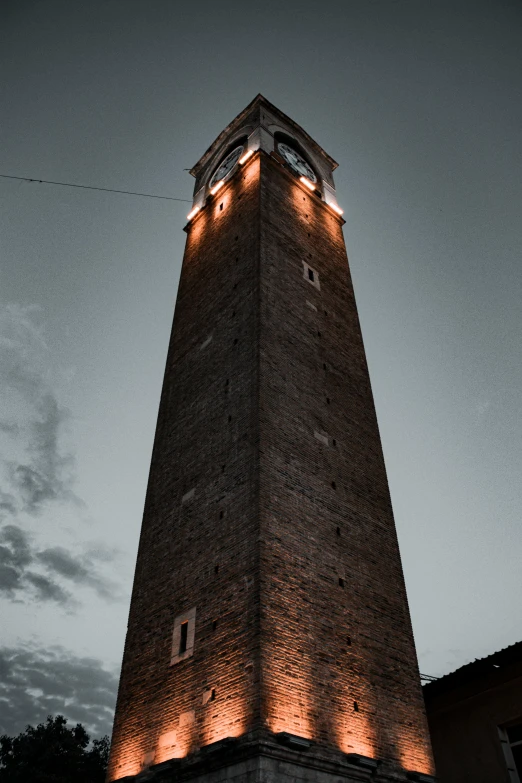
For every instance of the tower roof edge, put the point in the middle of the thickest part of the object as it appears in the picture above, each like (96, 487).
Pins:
(251, 110)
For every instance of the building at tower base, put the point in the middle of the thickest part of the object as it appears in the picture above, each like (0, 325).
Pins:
(269, 636)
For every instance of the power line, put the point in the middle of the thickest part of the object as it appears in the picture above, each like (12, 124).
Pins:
(90, 187)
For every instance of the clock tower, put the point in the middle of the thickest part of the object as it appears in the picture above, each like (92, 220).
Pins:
(269, 638)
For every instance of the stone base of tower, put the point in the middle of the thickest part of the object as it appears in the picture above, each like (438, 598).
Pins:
(279, 759)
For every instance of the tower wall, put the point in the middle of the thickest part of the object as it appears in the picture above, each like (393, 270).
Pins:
(267, 512)
(338, 660)
(207, 381)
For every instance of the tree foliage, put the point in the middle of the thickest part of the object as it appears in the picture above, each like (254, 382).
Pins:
(53, 753)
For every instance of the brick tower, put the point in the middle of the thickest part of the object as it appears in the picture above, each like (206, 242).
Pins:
(269, 638)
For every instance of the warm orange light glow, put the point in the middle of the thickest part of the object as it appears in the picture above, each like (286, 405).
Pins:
(230, 716)
(246, 156)
(126, 760)
(414, 752)
(310, 185)
(358, 732)
(336, 208)
(169, 746)
(355, 735)
(192, 213)
(291, 715)
(217, 186)
(289, 679)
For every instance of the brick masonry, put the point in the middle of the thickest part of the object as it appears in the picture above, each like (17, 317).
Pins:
(338, 661)
(283, 543)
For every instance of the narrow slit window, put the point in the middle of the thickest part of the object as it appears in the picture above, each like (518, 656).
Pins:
(183, 635)
(311, 274)
(183, 638)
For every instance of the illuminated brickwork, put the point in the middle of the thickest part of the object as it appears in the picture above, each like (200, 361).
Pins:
(326, 646)
(267, 510)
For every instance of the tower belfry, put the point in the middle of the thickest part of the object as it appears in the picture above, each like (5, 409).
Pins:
(269, 637)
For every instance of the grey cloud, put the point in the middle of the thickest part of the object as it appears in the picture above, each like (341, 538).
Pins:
(78, 570)
(47, 590)
(46, 474)
(15, 555)
(61, 561)
(20, 348)
(40, 474)
(9, 428)
(35, 683)
(19, 580)
(9, 578)
(18, 551)
(7, 503)
(33, 485)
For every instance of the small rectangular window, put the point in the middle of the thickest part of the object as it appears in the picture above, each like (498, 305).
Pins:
(311, 275)
(183, 638)
(183, 635)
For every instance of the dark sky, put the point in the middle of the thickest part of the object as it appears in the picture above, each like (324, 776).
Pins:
(420, 103)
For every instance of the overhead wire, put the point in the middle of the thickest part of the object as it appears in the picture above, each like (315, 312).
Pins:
(92, 187)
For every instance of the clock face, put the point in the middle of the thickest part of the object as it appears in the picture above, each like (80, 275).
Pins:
(226, 166)
(296, 161)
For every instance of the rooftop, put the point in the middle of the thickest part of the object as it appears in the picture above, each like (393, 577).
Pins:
(478, 669)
